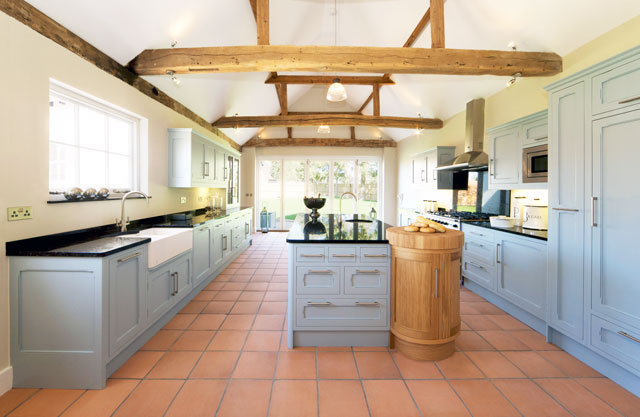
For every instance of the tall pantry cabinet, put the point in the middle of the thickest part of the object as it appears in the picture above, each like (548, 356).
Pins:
(594, 143)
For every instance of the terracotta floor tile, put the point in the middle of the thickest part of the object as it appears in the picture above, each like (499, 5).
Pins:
(215, 365)
(479, 322)
(533, 339)
(277, 286)
(336, 365)
(484, 307)
(238, 322)
(276, 296)
(569, 365)
(215, 285)
(376, 365)
(280, 278)
(494, 365)
(47, 403)
(197, 399)
(150, 399)
(195, 340)
(245, 307)
(506, 322)
(228, 340)
(370, 349)
(530, 399)
(334, 348)
(246, 398)
(412, 369)
(273, 307)
(138, 365)
(470, 340)
(533, 365)
(251, 296)
(465, 308)
(207, 322)
(468, 296)
(268, 322)
(218, 307)
(341, 399)
(162, 340)
(102, 403)
(296, 365)
(389, 399)
(194, 307)
(483, 399)
(614, 395)
(437, 399)
(458, 366)
(205, 296)
(576, 398)
(174, 365)
(224, 278)
(502, 340)
(13, 398)
(257, 286)
(227, 296)
(256, 365)
(265, 341)
(260, 278)
(180, 322)
(294, 398)
(233, 286)
(464, 326)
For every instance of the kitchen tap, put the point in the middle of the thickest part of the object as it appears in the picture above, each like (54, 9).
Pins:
(343, 194)
(124, 222)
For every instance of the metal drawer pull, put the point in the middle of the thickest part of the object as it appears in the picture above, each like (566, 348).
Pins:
(344, 256)
(476, 265)
(477, 244)
(125, 259)
(361, 304)
(204, 229)
(497, 251)
(302, 255)
(476, 233)
(173, 282)
(373, 271)
(318, 304)
(628, 336)
(563, 209)
(326, 271)
(539, 139)
(206, 169)
(629, 100)
(366, 255)
(593, 212)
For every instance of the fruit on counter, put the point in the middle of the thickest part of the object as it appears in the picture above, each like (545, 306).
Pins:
(439, 228)
(411, 229)
(427, 230)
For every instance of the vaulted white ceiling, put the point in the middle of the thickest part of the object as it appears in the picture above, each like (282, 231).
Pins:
(123, 28)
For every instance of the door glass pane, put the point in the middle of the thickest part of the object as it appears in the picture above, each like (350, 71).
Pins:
(368, 187)
(294, 190)
(343, 181)
(269, 186)
(319, 182)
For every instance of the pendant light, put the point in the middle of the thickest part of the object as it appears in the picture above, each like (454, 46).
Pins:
(336, 91)
(324, 129)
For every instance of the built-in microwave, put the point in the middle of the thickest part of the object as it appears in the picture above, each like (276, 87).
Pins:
(535, 164)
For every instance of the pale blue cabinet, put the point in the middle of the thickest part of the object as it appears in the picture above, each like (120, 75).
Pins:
(217, 245)
(127, 300)
(616, 88)
(613, 219)
(522, 272)
(182, 271)
(505, 158)
(167, 284)
(202, 253)
(566, 214)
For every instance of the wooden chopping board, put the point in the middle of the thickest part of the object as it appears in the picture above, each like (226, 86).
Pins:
(451, 239)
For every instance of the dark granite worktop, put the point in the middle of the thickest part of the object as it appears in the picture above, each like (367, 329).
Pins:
(516, 230)
(105, 240)
(327, 229)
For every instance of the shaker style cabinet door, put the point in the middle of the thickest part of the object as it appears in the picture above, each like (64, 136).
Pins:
(197, 160)
(614, 226)
(202, 254)
(505, 155)
(566, 210)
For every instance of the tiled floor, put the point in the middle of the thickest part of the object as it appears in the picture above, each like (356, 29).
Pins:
(225, 355)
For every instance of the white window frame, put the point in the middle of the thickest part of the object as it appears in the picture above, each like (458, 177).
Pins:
(139, 154)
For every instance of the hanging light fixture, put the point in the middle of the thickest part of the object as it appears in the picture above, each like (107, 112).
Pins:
(175, 79)
(324, 129)
(336, 91)
(513, 79)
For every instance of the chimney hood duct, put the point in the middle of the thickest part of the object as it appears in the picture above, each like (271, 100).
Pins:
(473, 159)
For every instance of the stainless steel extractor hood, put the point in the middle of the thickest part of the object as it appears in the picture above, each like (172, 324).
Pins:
(473, 159)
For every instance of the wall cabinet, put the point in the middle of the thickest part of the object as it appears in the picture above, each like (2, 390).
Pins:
(425, 164)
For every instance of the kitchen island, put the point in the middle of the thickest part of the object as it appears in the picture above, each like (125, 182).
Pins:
(338, 281)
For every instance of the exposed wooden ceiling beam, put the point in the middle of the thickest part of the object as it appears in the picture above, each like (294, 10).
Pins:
(270, 58)
(331, 119)
(437, 23)
(363, 143)
(366, 103)
(307, 113)
(376, 99)
(353, 132)
(328, 79)
(262, 21)
(281, 90)
(422, 24)
(253, 9)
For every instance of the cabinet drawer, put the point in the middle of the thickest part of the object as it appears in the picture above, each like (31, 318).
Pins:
(478, 233)
(480, 274)
(480, 250)
(311, 254)
(616, 342)
(535, 133)
(340, 313)
(366, 280)
(343, 254)
(317, 280)
(377, 254)
(617, 88)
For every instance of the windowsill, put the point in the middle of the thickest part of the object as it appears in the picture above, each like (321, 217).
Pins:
(110, 198)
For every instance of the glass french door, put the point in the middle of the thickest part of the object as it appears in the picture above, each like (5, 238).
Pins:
(294, 188)
(270, 197)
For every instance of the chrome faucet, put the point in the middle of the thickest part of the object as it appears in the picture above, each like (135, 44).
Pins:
(123, 223)
(343, 194)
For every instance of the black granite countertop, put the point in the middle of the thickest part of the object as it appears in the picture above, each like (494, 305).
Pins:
(516, 230)
(106, 240)
(327, 229)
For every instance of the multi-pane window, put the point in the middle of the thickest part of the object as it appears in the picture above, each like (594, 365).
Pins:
(90, 144)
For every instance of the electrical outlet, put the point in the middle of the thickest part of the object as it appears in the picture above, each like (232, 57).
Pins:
(183, 200)
(20, 213)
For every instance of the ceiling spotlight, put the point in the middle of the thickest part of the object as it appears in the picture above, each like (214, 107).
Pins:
(324, 129)
(175, 79)
(174, 43)
(419, 130)
(336, 91)
(513, 79)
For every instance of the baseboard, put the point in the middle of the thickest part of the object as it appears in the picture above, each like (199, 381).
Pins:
(6, 379)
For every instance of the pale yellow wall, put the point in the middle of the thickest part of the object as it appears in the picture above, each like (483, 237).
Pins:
(526, 97)
(27, 61)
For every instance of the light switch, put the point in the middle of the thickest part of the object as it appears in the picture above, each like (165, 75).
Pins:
(19, 213)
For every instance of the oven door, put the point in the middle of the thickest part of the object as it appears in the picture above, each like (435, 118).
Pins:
(535, 164)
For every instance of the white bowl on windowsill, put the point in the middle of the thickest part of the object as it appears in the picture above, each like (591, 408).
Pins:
(502, 221)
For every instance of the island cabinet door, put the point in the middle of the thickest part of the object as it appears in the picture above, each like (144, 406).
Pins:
(371, 279)
(318, 280)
